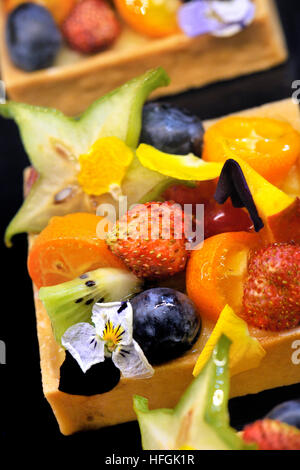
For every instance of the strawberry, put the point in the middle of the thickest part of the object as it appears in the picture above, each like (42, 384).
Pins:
(271, 434)
(272, 289)
(150, 240)
(91, 26)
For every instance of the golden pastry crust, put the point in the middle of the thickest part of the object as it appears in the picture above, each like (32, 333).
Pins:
(75, 413)
(190, 62)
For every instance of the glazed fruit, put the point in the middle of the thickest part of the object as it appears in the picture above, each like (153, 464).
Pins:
(72, 302)
(271, 298)
(91, 26)
(272, 435)
(171, 129)
(215, 272)
(218, 218)
(32, 37)
(165, 323)
(150, 240)
(271, 147)
(225, 218)
(155, 19)
(287, 412)
(68, 247)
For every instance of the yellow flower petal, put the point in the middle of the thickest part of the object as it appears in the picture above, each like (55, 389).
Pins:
(245, 353)
(183, 167)
(104, 166)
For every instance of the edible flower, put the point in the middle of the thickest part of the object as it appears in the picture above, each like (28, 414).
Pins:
(109, 336)
(218, 17)
(246, 352)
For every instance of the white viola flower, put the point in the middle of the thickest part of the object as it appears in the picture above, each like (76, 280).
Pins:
(217, 17)
(109, 336)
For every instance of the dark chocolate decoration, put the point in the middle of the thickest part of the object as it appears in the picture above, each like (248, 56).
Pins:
(232, 183)
(100, 378)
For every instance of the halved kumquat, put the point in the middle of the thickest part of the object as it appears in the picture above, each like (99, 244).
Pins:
(270, 146)
(215, 272)
(68, 247)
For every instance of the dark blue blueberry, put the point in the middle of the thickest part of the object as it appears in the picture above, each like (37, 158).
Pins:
(171, 129)
(165, 323)
(287, 412)
(100, 378)
(32, 37)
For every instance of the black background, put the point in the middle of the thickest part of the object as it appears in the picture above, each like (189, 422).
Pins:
(25, 416)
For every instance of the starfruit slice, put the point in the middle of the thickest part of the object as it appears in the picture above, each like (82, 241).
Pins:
(200, 420)
(54, 143)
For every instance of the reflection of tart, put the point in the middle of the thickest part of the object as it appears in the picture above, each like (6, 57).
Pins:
(79, 412)
(204, 59)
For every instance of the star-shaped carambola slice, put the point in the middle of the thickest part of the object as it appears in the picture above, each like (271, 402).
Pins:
(54, 143)
(200, 419)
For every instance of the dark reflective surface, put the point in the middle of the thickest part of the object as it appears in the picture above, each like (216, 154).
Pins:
(25, 415)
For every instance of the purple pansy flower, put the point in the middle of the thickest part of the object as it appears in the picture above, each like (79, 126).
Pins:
(218, 17)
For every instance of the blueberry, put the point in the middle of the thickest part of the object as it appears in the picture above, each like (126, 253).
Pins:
(171, 129)
(165, 323)
(32, 37)
(287, 412)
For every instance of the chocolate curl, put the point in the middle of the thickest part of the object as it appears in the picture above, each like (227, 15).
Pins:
(232, 183)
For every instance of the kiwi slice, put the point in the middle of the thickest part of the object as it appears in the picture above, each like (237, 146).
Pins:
(72, 302)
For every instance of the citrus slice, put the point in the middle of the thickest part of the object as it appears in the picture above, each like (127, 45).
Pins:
(245, 353)
(68, 247)
(270, 146)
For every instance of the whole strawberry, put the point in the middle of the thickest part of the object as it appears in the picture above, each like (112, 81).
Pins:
(91, 26)
(150, 240)
(272, 289)
(270, 434)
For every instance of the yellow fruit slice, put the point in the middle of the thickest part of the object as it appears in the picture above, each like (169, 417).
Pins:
(245, 352)
(268, 198)
(183, 167)
(104, 166)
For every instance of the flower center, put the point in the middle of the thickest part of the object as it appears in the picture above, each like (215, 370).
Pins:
(112, 335)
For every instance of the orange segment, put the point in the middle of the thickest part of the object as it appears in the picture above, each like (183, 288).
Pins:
(270, 146)
(67, 248)
(150, 17)
(216, 270)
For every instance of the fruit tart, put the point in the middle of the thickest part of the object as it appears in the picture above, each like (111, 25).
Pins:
(152, 236)
(54, 52)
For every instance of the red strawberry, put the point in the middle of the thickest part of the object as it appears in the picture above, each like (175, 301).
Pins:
(270, 434)
(150, 240)
(272, 289)
(91, 26)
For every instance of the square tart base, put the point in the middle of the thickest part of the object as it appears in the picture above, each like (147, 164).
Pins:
(75, 413)
(74, 81)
